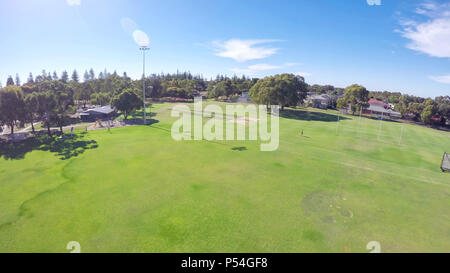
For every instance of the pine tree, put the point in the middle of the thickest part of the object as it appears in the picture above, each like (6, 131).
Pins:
(91, 74)
(86, 76)
(75, 77)
(9, 81)
(17, 80)
(30, 79)
(64, 77)
(55, 76)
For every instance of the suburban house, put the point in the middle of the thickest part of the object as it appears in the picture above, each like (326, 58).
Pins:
(244, 98)
(380, 108)
(323, 101)
(103, 113)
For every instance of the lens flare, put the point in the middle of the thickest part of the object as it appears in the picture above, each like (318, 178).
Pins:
(128, 25)
(141, 38)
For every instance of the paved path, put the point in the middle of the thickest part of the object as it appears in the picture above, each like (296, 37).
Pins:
(24, 130)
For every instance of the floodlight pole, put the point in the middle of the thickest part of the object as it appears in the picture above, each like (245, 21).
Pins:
(144, 48)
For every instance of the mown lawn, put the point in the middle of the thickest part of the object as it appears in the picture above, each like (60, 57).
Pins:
(135, 189)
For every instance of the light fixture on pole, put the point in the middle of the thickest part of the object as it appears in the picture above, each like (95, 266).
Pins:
(144, 49)
(143, 41)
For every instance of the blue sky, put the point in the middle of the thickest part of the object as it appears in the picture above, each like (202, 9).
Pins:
(400, 45)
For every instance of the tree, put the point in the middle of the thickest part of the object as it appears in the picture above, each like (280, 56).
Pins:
(428, 113)
(444, 111)
(30, 79)
(46, 106)
(415, 109)
(9, 81)
(55, 102)
(86, 76)
(17, 80)
(341, 103)
(356, 96)
(65, 77)
(154, 88)
(283, 90)
(443, 107)
(223, 88)
(75, 76)
(429, 110)
(126, 102)
(11, 105)
(82, 92)
(91, 74)
(31, 109)
(44, 75)
(64, 107)
(55, 76)
(100, 98)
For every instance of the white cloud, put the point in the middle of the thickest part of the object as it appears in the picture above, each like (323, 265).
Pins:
(261, 67)
(431, 37)
(303, 74)
(244, 50)
(293, 64)
(441, 79)
(73, 2)
(256, 69)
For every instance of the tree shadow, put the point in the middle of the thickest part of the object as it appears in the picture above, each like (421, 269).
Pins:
(64, 148)
(140, 115)
(148, 121)
(310, 116)
(240, 149)
(383, 119)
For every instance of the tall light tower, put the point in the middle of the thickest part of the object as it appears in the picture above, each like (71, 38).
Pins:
(144, 49)
(144, 42)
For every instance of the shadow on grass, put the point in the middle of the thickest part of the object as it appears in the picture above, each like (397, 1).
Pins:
(240, 149)
(140, 115)
(310, 116)
(383, 119)
(64, 148)
(140, 121)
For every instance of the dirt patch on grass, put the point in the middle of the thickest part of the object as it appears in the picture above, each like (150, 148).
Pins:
(317, 202)
(326, 206)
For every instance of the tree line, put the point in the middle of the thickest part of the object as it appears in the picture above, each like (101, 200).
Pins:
(51, 98)
(426, 110)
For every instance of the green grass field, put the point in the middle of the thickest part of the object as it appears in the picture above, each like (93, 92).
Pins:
(137, 190)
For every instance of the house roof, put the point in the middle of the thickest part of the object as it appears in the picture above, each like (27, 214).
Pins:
(320, 97)
(102, 110)
(375, 101)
